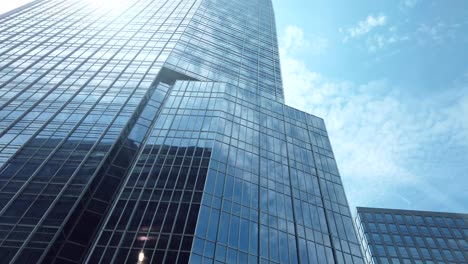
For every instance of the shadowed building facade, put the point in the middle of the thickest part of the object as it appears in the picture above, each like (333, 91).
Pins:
(156, 131)
(408, 237)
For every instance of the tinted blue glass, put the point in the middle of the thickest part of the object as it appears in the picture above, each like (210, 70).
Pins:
(155, 131)
(410, 240)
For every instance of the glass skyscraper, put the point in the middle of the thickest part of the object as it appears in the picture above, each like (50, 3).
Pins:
(412, 237)
(155, 131)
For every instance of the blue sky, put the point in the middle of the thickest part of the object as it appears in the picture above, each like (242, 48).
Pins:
(390, 78)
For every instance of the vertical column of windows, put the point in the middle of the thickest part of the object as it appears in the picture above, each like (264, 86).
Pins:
(341, 230)
(278, 216)
(164, 190)
(234, 50)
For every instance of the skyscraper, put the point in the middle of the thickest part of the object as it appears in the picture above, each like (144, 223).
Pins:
(156, 131)
(404, 236)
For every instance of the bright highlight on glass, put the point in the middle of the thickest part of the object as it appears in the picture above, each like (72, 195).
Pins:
(141, 257)
(6, 6)
(110, 4)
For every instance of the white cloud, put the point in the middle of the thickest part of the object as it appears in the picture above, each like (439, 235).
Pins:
(365, 26)
(385, 37)
(381, 141)
(410, 3)
(380, 41)
(440, 32)
(433, 31)
(294, 40)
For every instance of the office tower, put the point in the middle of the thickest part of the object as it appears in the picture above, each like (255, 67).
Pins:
(154, 131)
(406, 236)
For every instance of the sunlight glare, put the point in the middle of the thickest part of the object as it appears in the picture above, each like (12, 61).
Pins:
(114, 5)
(141, 256)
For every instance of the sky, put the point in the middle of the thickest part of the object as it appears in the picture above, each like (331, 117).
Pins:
(390, 79)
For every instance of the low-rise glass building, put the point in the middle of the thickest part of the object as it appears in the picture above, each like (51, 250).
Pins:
(412, 237)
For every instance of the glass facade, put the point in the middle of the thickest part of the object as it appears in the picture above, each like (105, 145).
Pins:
(412, 237)
(156, 131)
